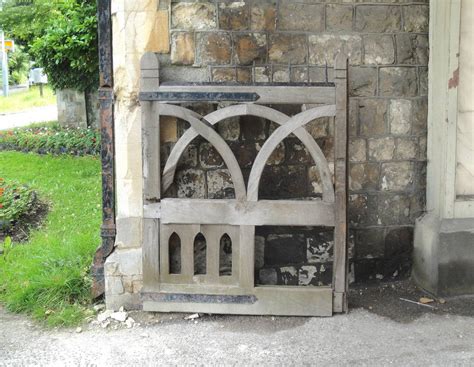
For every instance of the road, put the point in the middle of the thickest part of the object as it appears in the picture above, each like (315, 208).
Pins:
(359, 338)
(28, 117)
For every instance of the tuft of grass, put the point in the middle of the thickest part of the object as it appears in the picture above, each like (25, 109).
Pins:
(48, 277)
(27, 99)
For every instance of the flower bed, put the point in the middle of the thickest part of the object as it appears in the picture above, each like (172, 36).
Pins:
(52, 140)
(16, 200)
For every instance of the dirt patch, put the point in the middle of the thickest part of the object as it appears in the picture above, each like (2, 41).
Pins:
(389, 300)
(33, 219)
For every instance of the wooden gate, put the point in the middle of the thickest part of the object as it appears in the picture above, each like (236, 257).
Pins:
(236, 292)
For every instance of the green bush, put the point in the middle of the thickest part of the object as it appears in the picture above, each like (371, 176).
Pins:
(52, 140)
(15, 201)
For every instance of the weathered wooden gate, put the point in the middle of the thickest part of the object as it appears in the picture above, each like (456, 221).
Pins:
(235, 292)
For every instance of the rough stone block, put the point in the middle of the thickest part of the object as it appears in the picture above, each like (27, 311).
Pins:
(209, 157)
(260, 252)
(262, 74)
(249, 48)
(232, 74)
(245, 152)
(323, 48)
(339, 17)
(263, 16)
(416, 18)
(191, 184)
(113, 285)
(229, 129)
(370, 243)
(377, 18)
(280, 75)
(321, 74)
(393, 209)
(297, 152)
(278, 155)
(234, 15)
(412, 49)
(219, 184)
(399, 243)
(398, 82)
(362, 211)
(364, 176)
(315, 275)
(406, 149)
(299, 75)
(400, 116)
(300, 17)
(419, 116)
(193, 16)
(314, 179)
(288, 48)
(283, 182)
(182, 48)
(168, 129)
(317, 128)
(397, 176)
(357, 150)
(362, 81)
(252, 128)
(320, 247)
(288, 275)
(423, 75)
(282, 249)
(381, 149)
(372, 117)
(268, 276)
(213, 48)
(379, 49)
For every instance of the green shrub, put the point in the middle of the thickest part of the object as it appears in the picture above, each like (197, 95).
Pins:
(52, 140)
(15, 201)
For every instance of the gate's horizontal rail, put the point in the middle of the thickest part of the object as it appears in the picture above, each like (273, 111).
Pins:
(261, 94)
(233, 212)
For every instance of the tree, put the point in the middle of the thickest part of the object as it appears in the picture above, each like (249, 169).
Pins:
(60, 35)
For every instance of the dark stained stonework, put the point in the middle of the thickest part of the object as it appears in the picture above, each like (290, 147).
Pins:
(283, 41)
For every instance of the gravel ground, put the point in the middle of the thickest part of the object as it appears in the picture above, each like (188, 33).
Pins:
(28, 117)
(408, 335)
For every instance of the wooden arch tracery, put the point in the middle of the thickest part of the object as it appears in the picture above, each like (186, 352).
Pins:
(238, 217)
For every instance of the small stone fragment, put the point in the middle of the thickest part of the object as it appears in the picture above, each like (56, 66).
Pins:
(442, 301)
(192, 317)
(104, 315)
(79, 330)
(129, 323)
(119, 316)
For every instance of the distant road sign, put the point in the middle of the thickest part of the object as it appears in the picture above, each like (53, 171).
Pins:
(9, 45)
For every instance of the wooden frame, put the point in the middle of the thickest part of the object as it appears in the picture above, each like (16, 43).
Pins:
(238, 217)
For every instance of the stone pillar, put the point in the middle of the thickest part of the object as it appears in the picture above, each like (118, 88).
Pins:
(134, 33)
(444, 236)
(71, 108)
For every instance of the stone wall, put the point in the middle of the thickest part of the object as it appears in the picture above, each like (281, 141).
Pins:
(77, 109)
(291, 41)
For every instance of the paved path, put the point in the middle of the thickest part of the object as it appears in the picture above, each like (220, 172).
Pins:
(28, 117)
(357, 339)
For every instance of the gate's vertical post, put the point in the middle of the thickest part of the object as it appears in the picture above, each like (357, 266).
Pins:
(340, 282)
(151, 171)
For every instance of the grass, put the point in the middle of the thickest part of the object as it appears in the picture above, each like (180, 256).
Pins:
(27, 99)
(47, 277)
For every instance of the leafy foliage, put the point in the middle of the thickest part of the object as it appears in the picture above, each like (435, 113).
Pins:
(61, 36)
(15, 201)
(51, 140)
(18, 66)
